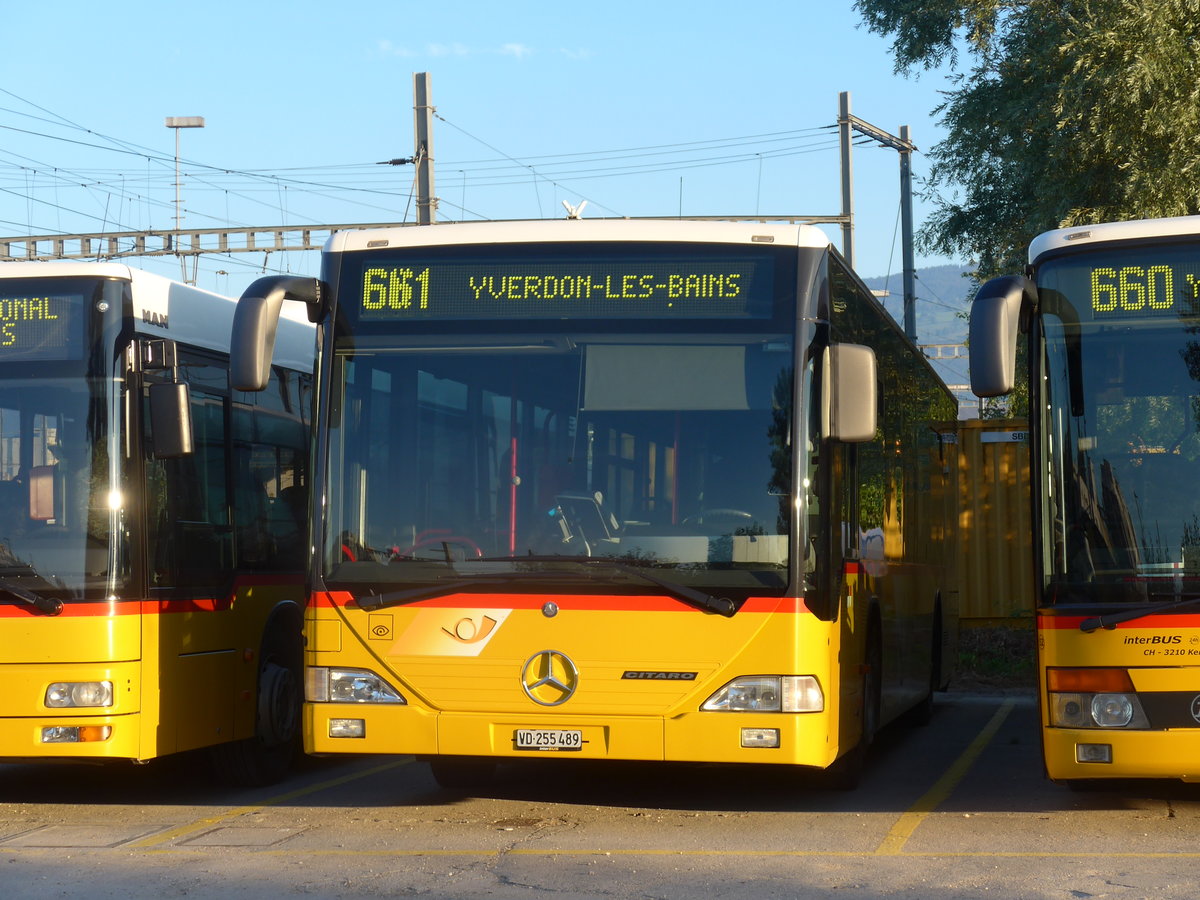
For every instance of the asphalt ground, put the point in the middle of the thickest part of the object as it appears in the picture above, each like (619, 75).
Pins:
(958, 808)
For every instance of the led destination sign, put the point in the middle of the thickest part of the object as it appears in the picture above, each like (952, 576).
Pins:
(1126, 282)
(1137, 289)
(700, 286)
(40, 326)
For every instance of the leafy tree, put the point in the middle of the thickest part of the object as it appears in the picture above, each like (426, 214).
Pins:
(1071, 112)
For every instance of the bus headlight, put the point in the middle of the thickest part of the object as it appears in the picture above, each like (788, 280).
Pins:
(768, 693)
(326, 685)
(1094, 698)
(1112, 710)
(76, 694)
(1071, 710)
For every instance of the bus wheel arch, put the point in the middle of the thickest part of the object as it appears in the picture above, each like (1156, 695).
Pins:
(280, 684)
(846, 771)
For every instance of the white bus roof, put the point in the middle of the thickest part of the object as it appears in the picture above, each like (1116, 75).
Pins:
(555, 230)
(1112, 231)
(164, 308)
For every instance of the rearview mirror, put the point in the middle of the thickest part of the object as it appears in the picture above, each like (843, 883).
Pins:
(992, 337)
(850, 398)
(170, 420)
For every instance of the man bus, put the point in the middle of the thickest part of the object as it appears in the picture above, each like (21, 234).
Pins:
(637, 490)
(152, 541)
(1112, 314)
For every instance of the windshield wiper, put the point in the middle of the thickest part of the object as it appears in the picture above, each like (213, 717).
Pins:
(701, 600)
(722, 606)
(49, 606)
(441, 588)
(1110, 622)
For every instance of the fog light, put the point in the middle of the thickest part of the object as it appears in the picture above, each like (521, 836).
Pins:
(1093, 753)
(347, 728)
(75, 734)
(760, 737)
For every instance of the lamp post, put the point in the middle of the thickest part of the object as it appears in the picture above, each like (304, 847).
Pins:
(177, 122)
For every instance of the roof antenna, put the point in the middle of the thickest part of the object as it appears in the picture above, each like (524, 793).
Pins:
(574, 212)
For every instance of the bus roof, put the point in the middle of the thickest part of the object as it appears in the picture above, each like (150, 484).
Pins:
(537, 230)
(170, 309)
(1083, 235)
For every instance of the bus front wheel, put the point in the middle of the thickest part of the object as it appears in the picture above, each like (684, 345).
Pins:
(266, 757)
(846, 771)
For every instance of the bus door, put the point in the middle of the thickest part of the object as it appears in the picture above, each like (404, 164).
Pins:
(190, 651)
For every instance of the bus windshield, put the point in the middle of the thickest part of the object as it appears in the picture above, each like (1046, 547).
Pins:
(60, 499)
(522, 453)
(56, 489)
(1121, 372)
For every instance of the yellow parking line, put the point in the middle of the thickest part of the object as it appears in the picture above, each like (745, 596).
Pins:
(911, 820)
(209, 821)
(555, 852)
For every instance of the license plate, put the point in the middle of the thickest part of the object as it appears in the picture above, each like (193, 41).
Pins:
(549, 739)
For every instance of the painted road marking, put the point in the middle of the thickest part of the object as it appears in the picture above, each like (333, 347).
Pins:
(943, 787)
(174, 834)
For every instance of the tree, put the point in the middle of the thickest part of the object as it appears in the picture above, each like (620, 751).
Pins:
(1072, 112)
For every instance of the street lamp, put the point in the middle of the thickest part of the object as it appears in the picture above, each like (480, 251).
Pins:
(178, 122)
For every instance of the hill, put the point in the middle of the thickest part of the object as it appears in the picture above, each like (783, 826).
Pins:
(943, 297)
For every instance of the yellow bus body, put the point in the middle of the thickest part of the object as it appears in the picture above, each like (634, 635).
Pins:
(459, 666)
(183, 673)
(1162, 659)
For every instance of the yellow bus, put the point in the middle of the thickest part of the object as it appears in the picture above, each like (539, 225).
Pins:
(1112, 314)
(635, 490)
(152, 542)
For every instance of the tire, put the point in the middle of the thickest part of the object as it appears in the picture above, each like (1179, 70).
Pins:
(267, 757)
(846, 772)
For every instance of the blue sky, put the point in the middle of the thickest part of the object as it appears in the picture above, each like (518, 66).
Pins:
(640, 108)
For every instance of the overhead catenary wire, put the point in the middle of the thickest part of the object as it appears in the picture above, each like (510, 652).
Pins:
(213, 171)
(303, 194)
(218, 178)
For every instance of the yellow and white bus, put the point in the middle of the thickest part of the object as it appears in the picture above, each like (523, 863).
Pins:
(637, 490)
(152, 536)
(1112, 313)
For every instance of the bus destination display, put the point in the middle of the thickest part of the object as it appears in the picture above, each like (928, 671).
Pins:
(696, 287)
(1143, 290)
(40, 326)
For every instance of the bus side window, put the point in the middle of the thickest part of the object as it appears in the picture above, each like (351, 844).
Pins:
(270, 481)
(189, 540)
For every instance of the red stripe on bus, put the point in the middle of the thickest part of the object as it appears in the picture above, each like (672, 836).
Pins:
(76, 608)
(1161, 620)
(154, 606)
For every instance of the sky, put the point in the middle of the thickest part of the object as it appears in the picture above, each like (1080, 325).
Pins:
(647, 108)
